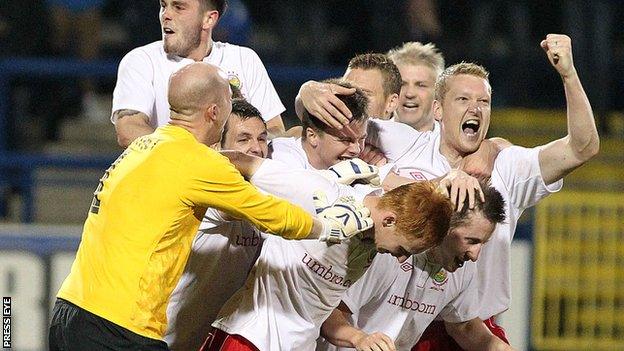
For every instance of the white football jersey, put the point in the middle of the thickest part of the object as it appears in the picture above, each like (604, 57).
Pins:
(143, 79)
(221, 256)
(290, 151)
(516, 175)
(295, 284)
(401, 299)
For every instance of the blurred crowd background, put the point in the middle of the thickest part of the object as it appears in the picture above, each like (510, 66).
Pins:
(502, 35)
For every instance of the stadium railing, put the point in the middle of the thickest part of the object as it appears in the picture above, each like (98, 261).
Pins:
(578, 280)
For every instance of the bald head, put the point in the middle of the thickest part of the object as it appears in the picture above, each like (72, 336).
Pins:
(195, 87)
(200, 101)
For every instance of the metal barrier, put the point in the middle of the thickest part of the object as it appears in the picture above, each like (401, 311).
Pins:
(18, 171)
(578, 282)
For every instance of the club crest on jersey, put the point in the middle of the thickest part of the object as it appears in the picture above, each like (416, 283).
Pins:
(417, 175)
(439, 279)
(234, 80)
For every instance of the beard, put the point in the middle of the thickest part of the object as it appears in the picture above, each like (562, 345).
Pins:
(183, 42)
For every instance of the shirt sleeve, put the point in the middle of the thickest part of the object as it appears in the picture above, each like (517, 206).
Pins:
(465, 306)
(296, 185)
(519, 170)
(134, 89)
(260, 90)
(216, 183)
(285, 151)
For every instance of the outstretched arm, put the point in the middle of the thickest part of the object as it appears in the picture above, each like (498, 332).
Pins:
(562, 156)
(275, 127)
(246, 164)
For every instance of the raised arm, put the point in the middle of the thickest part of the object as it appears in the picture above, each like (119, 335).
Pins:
(338, 331)
(562, 156)
(474, 335)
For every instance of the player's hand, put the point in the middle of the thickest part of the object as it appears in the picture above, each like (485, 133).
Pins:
(461, 186)
(373, 156)
(341, 220)
(348, 171)
(374, 342)
(558, 48)
(320, 100)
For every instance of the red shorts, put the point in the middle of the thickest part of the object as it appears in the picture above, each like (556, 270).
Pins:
(218, 340)
(435, 337)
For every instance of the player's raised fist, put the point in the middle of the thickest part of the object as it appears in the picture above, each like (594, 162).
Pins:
(558, 48)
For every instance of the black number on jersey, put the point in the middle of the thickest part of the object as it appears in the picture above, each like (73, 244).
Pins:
(95, 203)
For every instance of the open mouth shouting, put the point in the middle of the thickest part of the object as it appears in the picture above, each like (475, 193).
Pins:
(471, 127)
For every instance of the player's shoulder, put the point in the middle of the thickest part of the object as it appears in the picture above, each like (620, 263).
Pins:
(290, 142)
(229, 49)
(515, 153)
(467, 272)
(146, 53)
(287, 145)
(151, 49)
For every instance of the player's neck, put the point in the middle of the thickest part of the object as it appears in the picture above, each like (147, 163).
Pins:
(370, 202)
(202, 50)
(313, 157)
(453, 156)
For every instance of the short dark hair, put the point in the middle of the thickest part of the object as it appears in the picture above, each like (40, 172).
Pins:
(244, 110)
(493, 208)
(219, 5)
(357, 103)
(391, 76)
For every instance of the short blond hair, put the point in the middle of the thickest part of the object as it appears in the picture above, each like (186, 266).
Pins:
(473, 69)
(416, 54)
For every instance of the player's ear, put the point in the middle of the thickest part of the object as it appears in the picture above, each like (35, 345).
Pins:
(392, 103)
(210, 19)
(437, 110)
(211, 113)
(312, 136)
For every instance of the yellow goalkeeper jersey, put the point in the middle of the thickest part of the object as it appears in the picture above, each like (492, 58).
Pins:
(143, 218)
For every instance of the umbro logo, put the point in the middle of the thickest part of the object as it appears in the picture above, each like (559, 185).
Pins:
(406, 266)
(418, 176)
